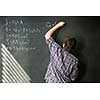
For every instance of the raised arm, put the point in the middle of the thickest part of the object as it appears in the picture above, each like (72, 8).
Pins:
(52, 45)
(53, 29)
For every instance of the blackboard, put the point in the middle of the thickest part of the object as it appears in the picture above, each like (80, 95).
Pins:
(23, 37)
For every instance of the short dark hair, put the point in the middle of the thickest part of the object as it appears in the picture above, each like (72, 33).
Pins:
(69, 42)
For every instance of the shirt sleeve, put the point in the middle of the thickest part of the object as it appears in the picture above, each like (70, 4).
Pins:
(52, 45)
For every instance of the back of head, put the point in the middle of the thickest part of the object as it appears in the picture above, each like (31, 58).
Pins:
(69, 43)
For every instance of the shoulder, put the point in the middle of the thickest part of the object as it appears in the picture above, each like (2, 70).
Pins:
(70, 56)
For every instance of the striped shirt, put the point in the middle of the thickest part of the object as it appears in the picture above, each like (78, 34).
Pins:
(62, 67)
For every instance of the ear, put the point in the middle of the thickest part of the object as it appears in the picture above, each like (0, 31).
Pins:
(63, 45)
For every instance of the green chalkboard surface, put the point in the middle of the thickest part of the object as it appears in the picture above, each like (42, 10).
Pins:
(24, 54)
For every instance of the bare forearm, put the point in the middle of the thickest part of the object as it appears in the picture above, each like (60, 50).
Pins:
(52, 30)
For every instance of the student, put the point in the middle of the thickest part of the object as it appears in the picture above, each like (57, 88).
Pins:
(62, 67)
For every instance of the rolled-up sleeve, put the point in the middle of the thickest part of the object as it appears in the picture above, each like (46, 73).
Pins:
(52, 45)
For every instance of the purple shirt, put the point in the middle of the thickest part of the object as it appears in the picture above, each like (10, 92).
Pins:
(62, 67)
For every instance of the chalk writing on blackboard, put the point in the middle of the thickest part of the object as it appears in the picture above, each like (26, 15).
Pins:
(21, 48)
(22, 29)
(14, 22)
(18, 33)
